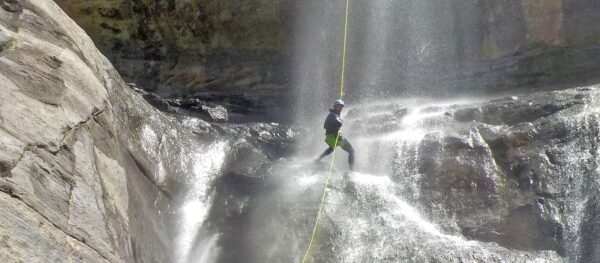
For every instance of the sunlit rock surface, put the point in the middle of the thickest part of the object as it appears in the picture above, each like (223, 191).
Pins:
(90, 172)
(77, 152)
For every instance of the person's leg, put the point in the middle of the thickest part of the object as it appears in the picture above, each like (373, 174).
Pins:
(325, 153)
(350, 150)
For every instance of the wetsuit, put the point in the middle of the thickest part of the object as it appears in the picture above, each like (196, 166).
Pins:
(332, 126)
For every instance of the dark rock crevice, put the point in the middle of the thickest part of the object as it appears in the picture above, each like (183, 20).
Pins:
(148, 175)
(70, 130)
(32, 149)
(12, 6)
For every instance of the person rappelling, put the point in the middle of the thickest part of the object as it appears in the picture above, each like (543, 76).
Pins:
(333, 136)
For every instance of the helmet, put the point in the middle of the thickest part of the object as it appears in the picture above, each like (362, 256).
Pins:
(338, 102)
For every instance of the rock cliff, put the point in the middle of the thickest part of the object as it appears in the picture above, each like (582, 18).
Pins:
(515, 171)
(228, 51)
(89, 171)
(76, 181)
(519, 171)
(512, 179)
(245, 52)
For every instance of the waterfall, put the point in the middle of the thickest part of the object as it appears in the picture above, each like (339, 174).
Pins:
(374, 214)
(437, 180)
(194, 242)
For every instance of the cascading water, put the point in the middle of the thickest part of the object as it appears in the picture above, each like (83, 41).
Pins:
(432, 177)
(194, 241)
(379, 223)
(373, 214)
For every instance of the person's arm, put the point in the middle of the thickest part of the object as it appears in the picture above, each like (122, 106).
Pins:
(338, 124)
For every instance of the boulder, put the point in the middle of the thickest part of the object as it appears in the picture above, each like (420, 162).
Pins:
(511, 170)
(215, 114)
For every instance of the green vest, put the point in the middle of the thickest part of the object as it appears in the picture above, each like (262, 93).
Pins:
(330, 140)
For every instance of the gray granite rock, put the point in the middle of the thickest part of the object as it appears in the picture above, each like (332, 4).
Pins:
(514, 171)
(85, 171)
(89, 171)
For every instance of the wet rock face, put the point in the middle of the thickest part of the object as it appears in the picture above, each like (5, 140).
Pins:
(476, 46)
(591, 229)
(273, 139)
(519, 171)
(187, 107)
(511, 170)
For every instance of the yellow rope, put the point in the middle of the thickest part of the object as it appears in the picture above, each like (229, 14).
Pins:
(314, 232)
(342, 78)
(342, 75)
